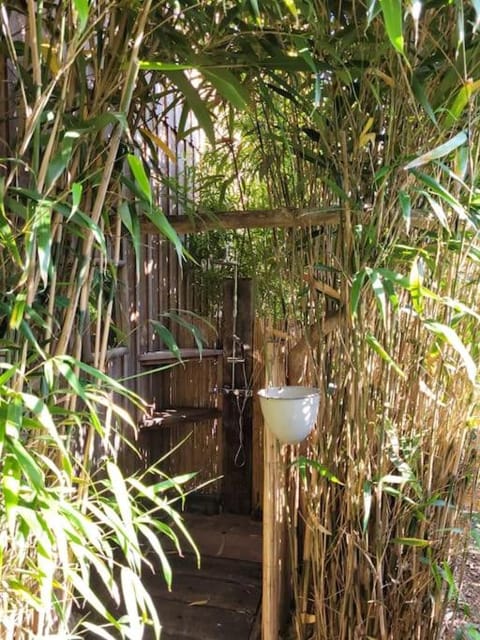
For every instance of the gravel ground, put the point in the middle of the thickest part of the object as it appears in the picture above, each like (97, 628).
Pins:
(463, 623)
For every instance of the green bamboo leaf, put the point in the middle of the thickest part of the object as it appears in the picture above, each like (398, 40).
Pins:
(440, 190)
(392, 15)
(83, 528)
(100, 122)
(142, 607)
(48, 374)
(379, 292)
(7, 238)
(228, 86)
(256, 10)
(357, 285)
(45, 418)
(10, 371)
(85, 223)
(63, 366)
(415, 285)
(101, 379)
(27, 333)
(367, 503)
(41, 226)
(468, 632)
(441, 151)
(449, 578)
(82, 9)
(30, 469)
(108, 516)
(195, 102)
(406, 207)
(152, 65)
(193, 329)
(141, 178)
(411, 542)
(62, 159)
(391, 293)
(98, 630)
(154, 541)
(372, 11)
(460, 102)
(392, 478)
(127, 580)
(394, 277)
(304, 463)
(384, 355)
(14, 416)
(167, 337)
(419, 93)
(124, 503)
(84, 589)
(461, 163)
(10, 480)
(77, 191)
(450, 336)
(159, 219)
(438, 211)
(130, 221)
(18, 311)
(292, 7)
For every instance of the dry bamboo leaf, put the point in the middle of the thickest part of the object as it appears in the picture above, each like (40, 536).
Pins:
(198, 603)
(308, 618)
(163, 146)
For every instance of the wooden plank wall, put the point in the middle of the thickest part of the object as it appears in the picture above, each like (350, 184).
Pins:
(237, 409)
(201, 449)
(164, 284)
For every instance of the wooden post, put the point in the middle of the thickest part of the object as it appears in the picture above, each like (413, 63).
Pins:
(237, 459)
(274, 556)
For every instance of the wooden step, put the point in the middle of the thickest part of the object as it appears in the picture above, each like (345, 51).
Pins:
(219, 601)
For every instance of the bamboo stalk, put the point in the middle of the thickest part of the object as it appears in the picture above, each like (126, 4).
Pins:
(125, 101)
(273, 513)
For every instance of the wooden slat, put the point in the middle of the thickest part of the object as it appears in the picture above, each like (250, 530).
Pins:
(272, 218)
(182, 622)
(200, 587)
(158, 357)
(252, 219)
(176, 416)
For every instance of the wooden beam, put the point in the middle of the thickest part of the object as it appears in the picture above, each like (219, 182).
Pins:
(252, 219)
(323, 287)
(281, 218)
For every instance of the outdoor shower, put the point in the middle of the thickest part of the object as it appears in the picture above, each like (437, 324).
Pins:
(240, 389)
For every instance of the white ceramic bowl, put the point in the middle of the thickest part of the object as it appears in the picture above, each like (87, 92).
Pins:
(290, 412)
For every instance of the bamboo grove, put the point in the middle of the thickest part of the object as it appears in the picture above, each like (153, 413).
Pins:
(368, 108)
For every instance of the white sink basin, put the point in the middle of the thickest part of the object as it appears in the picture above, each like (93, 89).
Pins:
(290, 412)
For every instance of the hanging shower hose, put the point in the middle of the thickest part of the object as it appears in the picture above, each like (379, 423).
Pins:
(240, 456)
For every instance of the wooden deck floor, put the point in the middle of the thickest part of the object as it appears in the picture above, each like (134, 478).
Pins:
(219, 601)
